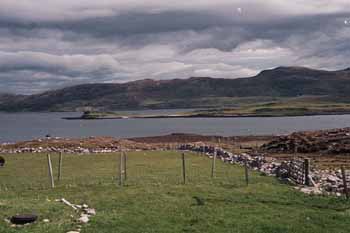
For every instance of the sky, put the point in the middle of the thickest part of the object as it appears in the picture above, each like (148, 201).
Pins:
(52, 44)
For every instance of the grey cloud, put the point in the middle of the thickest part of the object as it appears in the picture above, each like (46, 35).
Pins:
(50, 45)
(213, 30)
(126, 24)
(72, 64)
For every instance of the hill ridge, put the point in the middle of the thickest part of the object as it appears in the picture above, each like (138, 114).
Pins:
(193, 92)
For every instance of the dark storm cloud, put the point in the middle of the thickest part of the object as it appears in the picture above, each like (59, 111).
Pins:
(140, 23)
(64, 43)
(132, 24)
(125, 24)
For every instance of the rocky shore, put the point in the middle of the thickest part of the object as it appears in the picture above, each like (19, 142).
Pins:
(111, 144)
(80, 146)
(334, 141)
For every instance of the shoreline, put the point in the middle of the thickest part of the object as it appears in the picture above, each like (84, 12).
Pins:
(206, 116)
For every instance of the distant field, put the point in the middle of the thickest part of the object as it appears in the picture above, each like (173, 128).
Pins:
(155, 200)
(248, 107)
(299, 106)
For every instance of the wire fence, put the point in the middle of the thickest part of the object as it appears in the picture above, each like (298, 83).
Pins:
(32, 171)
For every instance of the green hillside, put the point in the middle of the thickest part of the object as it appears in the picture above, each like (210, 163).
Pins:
(200, 92)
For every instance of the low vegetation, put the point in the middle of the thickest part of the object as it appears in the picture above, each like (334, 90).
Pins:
(300, 106)
(155, 200)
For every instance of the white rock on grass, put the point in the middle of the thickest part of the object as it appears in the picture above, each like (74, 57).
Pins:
(309, 190)
(84, 218)
(90, 211)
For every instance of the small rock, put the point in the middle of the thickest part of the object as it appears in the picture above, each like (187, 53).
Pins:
(46, 220)
(90, 211)
(332, 179)
(84, 219)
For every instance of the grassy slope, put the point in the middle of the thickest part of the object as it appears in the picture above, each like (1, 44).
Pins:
(154, 200)
(299, 106)
(306, 105)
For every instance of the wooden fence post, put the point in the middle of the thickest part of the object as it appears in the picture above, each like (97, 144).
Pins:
(213, 164)
(346, 191)
(121, 169)
(307, 171)
(125, 158)
(50, 171)
(246, 171)
(60, 166)
(183, 168)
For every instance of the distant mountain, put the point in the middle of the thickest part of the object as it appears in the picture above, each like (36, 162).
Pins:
(8, 99)
(194, 92)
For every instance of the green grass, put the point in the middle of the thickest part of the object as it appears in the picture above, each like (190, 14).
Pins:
(298, 106)
(155, 200)
(250, 106)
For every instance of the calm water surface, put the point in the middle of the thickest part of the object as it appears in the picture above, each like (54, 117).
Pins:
(24, 126)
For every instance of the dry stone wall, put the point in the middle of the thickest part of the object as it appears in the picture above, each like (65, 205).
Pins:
(319, 181)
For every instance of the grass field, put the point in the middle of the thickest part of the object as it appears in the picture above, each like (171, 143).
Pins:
(298, 106)
(247, 107)
(155, 200)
